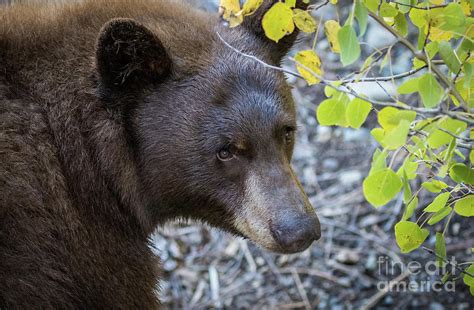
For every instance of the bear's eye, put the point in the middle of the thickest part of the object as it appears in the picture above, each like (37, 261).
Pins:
(289, 134)
(225, 154)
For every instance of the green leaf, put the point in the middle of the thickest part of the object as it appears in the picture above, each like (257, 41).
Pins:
(449, 57)
(406, 188)
(408, 168)
(438, 203)
(398, 136)
(430, 91)
(290, 3)
(304, 21)
(409, 86)
(409, 236)
(386, 10)
(378, 134)
(401, 24)
(461, 173)
(381, 187)
(372, 5)
(440, 215)
(404, 8)
(379, 161)
(465, 206)
(410, 209)
(434, 186)
(389, 117)
(468, 74)
(333, 111)
(468, 280)
(357, 112)
(278, 21)
(361, 16)
(350, 48)
(440, 249)
(438, 138)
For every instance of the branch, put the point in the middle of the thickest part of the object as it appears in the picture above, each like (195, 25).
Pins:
(384, 78)
(421, 8)
(422, 57)
(329, 84)
(448, 262)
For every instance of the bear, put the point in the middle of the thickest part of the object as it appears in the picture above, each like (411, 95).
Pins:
(119, 116)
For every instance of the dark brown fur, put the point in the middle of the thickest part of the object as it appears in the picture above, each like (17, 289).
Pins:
(73, 226)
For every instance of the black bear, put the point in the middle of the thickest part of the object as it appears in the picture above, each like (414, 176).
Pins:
(116, 117)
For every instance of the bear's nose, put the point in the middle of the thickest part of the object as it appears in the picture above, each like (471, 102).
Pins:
(296, 233)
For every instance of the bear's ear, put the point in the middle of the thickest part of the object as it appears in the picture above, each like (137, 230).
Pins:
(253, 23)
(129, 56)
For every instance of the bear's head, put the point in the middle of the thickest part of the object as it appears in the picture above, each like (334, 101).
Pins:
(212, 130)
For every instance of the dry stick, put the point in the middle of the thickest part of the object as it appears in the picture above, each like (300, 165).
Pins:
(380, 294)
(301, 289)
(422, 57)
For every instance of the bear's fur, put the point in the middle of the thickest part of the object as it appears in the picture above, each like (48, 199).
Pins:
(83, 110)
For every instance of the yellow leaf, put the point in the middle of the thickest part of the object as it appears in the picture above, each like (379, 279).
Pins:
(333, 1)
(466, 7)
(250, 6)
(311, 61)
(331, 28)
(229, 10)
(278, 21)
(437, 2)
(304, 21)
(437, 34)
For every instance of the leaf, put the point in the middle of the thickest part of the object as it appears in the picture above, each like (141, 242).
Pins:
(331, 29)
(440, 249)
(311, 61)
(361, 16)
(290, 3)
(304, 21)
(386, 10)
(449, 57)
(409, 86)
(230, 10)
(438, 203)
(357, 112)
(278, 21)
(467, 279)
(372, 5)
(461, 173)
(434, 186)
(389, 117)
(401, 24)
(408, 169)
(350, 48)
(379, 161)
(438, 138)
(250, 6)
(465, 206)
(409, 236)
(438, 216)
(398, 136)
(404, 8)
(378, 134)
(381, 187)
(410, 209)
(332, 111)
(430, 91)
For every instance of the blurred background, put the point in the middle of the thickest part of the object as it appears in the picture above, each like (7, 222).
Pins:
(357, 257)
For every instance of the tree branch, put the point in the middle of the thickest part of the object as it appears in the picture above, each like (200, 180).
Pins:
(421, 56)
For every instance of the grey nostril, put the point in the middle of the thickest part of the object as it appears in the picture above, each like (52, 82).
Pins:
(296, 233)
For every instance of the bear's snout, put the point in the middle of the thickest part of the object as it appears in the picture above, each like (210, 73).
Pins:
(296, 233)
